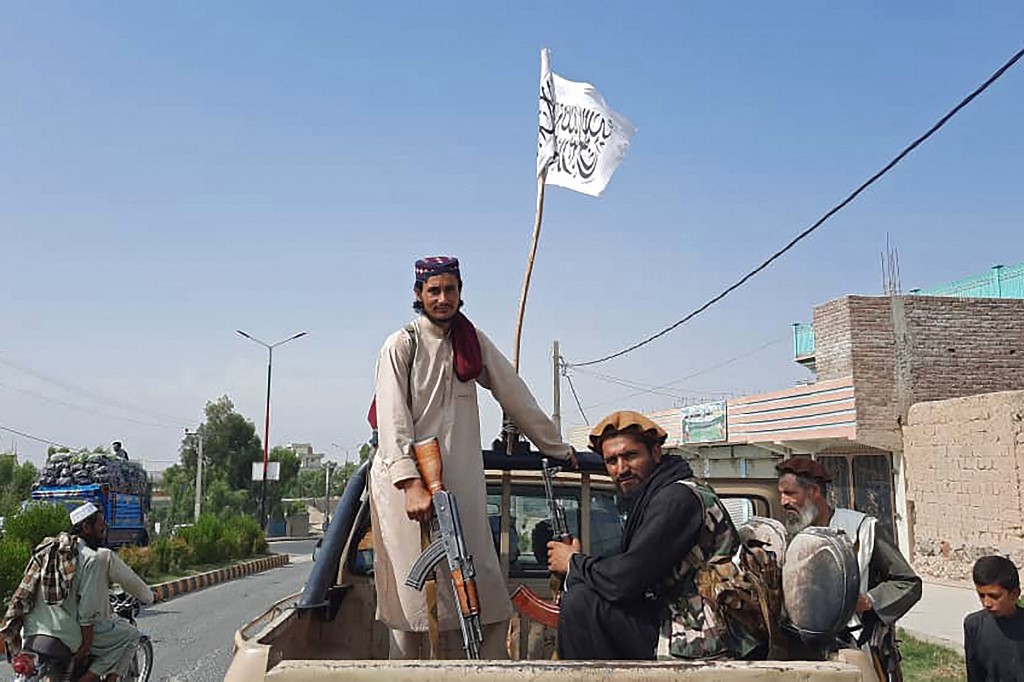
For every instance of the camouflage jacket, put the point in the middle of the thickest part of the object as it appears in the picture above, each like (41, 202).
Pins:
(699, 622)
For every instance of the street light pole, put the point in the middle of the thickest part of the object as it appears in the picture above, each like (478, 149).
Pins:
(328, 468)
(266, 424)
(199, 471)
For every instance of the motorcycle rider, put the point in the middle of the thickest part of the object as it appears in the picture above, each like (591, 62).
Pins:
(83, 569)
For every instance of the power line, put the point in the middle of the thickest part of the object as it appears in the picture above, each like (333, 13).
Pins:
(835, 209)
(691, 375)
(87, 410)
(93, 395)
(31, 437)
(644, 388)
(578, 405)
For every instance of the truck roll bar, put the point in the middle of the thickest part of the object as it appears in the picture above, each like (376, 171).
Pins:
(325, 569)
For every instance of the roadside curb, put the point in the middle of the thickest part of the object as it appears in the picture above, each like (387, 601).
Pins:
(193, 583)
(293, 538)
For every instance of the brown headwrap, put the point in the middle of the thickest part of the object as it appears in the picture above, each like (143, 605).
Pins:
(626, 420)
(804, 466)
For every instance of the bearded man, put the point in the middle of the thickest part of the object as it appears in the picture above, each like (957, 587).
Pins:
(427, 374)
(81, 618)
(889, 587)
(645, 599)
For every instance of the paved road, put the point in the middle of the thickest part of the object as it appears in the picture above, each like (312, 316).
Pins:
(939, 616)
(192, 635)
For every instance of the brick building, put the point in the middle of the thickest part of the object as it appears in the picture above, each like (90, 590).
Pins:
(878, 363)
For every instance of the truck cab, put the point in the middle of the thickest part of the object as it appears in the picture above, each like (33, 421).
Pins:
(329, 630)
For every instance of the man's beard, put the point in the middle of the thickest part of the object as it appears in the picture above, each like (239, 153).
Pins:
(94, 541)
(805, 518)
(437, 320)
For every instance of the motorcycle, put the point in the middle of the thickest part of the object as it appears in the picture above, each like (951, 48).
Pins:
(47, 658)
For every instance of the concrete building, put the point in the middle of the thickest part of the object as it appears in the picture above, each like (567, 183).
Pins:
(881, 407)
(307, 458)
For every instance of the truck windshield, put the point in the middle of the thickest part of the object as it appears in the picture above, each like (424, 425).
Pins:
(531, 529)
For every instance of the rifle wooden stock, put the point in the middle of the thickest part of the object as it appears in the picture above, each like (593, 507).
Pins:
(469, 601)
(535, 608)
(428, 459)
(449, 542)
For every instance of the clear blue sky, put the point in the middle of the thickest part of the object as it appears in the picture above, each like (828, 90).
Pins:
(169, 173)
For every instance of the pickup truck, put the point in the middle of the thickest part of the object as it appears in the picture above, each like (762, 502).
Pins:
(328, 631)
(123, 512)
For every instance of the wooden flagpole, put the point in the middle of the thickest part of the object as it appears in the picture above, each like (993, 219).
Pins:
(513, 437)
(541, 178)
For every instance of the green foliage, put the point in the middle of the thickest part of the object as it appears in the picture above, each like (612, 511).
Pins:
(276, 489)
(230, 446)
(142, 560)
(205, 539)
(311, 482)
(15, 483)
(210, 541)
(172, 554)
(214, 540)
(221, 500)
(14, 555)
(924, 662)
(35, 522)
(23, 531)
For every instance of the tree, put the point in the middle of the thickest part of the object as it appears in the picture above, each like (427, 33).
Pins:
(310, 483)
(15, 482)
(290, 465)
(230, 445)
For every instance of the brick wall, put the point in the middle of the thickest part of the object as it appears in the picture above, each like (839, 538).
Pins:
(872, 354)
(948, 347)
(964, 459)
(832, 340)
(962, 347)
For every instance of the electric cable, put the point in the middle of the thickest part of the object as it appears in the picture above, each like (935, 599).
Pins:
(835, 209)
(31, 437)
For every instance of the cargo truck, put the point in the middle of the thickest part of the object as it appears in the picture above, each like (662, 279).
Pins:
(125, 513)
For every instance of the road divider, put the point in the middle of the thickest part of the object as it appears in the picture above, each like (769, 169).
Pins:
(193, 583)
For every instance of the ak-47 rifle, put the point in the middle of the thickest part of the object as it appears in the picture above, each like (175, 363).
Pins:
(448, 541)
(881, 641)
(525, 599)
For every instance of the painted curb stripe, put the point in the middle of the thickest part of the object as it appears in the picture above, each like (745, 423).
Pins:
(181, 586)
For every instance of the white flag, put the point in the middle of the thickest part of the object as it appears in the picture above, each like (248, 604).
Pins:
(580, 140)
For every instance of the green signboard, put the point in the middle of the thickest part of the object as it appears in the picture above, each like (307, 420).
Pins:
(704, 423)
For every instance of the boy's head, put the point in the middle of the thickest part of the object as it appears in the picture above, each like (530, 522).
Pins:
(998, 585)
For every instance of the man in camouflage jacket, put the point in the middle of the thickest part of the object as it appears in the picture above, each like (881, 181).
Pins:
(677, 541)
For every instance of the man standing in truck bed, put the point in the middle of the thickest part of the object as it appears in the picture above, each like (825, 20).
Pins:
(427, 375)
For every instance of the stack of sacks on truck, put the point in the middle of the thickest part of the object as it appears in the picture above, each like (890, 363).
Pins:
(86, 468)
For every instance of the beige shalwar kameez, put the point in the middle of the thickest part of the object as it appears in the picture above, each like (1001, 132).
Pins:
(443, 406)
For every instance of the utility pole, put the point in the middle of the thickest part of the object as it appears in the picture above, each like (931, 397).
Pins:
(556, 366)
(328, 468)
(199, 471)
